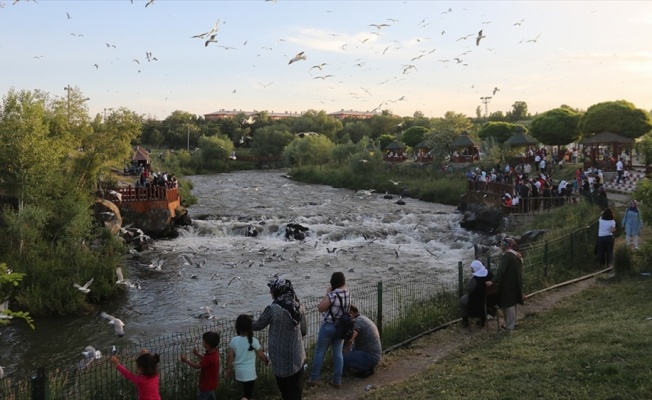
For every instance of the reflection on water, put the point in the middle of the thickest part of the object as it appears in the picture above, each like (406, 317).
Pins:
(213, 261)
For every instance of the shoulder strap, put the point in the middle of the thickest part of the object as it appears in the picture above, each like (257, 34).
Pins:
(344, 310)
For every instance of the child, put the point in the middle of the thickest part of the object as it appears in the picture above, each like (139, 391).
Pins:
(147, 379)
(244, 348)
(209, 365)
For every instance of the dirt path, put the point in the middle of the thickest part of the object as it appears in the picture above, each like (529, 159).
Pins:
(402, 364)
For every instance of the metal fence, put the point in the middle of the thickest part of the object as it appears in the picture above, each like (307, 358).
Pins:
(402, 306)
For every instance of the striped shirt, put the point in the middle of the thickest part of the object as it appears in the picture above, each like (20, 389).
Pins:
(336, 308)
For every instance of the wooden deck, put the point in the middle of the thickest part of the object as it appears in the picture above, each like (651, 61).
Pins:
(142, 200)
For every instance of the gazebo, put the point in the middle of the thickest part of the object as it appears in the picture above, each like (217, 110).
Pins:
(521, 139)
(422, 151)
(141, 157)
(612, 144)
(395, 151)
(468, 149)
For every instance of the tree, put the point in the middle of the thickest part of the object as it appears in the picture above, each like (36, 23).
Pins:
(270, 141)
(478, 112)
(556, 127)
(317, 121)
(519, 111)
(354, 131)
(444, 132)
(414, 135)
(310, 150)
(620, 117)
(500, 131)
(29, 156)
(8, 281)
(214, 151)
(497, 116)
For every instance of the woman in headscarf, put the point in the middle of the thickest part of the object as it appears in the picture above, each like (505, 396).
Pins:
(472, 304)
(510, 278)
(632, 222)
(287, 326)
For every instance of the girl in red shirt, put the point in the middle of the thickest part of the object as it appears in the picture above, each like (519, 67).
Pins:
(147, 379)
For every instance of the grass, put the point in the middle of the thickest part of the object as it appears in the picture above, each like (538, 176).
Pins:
(594, 346)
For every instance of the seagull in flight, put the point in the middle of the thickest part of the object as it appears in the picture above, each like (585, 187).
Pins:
(480, 36)
(84, 289)
(519, 23)
(209, 33)
(495, 90)
(300, 56)
(465, 37)
(118, 325)
(320, 66)
(396, 183)
(379, 26)
(533, 40)
(249, 120)
(265, 85)
(68, 16)
(149, 2)
(323, 77)
(211, 39)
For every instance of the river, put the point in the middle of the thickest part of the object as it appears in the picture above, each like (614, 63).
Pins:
(374, 237)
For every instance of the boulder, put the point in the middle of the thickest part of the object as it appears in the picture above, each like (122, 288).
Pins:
(108, 215)
(480, 217)
(156, 222)
(182, 218)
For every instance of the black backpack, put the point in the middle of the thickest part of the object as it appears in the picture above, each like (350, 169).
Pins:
(346, 324)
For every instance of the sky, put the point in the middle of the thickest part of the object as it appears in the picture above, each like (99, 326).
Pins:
(403, 56)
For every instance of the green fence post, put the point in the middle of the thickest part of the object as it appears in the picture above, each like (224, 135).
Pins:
(39, 385)
(545, 259)
(379, 315)
(572, 247)
(460, 279)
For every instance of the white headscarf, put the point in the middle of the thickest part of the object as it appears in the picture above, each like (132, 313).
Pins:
(478, 269)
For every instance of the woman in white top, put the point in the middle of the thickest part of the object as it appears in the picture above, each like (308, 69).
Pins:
(605, 245)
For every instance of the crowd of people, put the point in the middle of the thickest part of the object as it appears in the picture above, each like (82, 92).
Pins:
(286, 320)
(148, 179)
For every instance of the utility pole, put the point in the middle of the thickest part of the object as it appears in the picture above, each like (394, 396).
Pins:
(67, 89)
(485, 101)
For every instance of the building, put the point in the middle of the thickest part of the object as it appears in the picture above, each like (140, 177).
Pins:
(352, 114)
(223, 114)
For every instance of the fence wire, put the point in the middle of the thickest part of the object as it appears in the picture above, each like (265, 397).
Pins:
(401, 306)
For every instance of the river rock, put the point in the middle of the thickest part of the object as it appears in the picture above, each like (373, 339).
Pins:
(480, 217)
(156, 222)
(108, 214)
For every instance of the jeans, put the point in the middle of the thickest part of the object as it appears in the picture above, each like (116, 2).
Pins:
(360, 361)
(328, 337)
(206, 395)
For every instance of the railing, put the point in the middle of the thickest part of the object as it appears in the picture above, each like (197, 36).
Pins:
(150, 193)
(403, 307)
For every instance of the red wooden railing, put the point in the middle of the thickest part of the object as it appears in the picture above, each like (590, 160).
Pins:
(152, 193)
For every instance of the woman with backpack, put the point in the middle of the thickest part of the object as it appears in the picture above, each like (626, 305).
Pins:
(335, 304)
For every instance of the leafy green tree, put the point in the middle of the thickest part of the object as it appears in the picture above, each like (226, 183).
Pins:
(10, 280)
(310, 150)
(556, 127)
(342, 152)
(519, 111)
(270, 141)
(29, 156)
(414, 135)
(500, 131)
(497, 116)
(644, 146)
(214, 151)
(384, 140)
(620, 117)
(354, 131)
(109, 141)
(317, 121)
(382, 124)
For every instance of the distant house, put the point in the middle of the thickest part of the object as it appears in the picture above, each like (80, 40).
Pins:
(140, 157)
(223, 114)
(352, 114)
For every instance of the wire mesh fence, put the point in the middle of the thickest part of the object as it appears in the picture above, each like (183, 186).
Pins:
(402, 307)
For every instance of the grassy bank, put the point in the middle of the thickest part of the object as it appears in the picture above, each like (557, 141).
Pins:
(595, 345)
